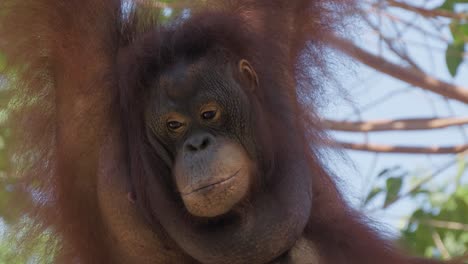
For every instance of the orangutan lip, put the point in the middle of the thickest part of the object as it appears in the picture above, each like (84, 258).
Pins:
(212, 184)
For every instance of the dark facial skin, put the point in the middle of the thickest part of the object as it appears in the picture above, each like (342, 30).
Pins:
(201, 121)
(207, 134)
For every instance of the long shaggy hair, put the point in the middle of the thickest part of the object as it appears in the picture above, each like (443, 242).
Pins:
(79, 68)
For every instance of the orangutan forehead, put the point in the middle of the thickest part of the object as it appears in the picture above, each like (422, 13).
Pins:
(186, 79)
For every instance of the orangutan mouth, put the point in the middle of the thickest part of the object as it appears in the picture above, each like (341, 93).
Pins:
(210, 186)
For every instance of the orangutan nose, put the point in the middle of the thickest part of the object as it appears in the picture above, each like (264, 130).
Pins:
(198, 142)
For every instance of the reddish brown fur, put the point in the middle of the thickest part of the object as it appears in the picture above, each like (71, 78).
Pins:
(65, 54)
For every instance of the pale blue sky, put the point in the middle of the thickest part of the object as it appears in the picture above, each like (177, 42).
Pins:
(365, 86)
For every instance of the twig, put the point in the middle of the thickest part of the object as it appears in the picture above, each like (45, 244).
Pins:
(428, 12)
(400, 149)
(440, 245)
(444, 224)
(406, 74)
(390, 125)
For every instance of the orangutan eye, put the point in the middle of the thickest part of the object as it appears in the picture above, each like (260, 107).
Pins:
(174, 125)
(208, 115)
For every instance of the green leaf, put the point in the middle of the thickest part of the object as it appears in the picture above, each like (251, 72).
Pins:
(454, 56)
(373, 194)
(418, 191)
(459, 32)
(449, 5)
(383, 172)
(388, 171)
(393, 189)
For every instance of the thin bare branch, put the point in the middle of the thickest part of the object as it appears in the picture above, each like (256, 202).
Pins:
(416, 27)
(389, 125)
(428, 12)
(440, 245)
(444, 224)
(402, 54)
(424, 180)
(382, 99)
(406, 74)
(400, 149)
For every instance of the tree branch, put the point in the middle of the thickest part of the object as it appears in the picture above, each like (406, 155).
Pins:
(444, 224)
(390, 125)
(390, 44)
(400, 149)
(427, 12)
(440, 245)
(406, 74)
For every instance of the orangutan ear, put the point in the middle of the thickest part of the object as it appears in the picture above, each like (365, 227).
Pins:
(249, 73)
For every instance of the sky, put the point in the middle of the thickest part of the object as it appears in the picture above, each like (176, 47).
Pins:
(364, 86)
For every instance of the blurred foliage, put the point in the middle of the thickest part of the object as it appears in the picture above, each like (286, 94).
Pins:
(450, 5)
(14, 247)
(38, 250)
(438, 227)
(459, 28)
(441, 227)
